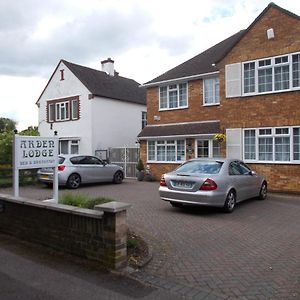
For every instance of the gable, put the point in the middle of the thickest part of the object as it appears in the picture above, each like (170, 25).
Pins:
(255, 43)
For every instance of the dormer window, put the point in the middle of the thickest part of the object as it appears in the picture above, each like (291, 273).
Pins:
(62, 74)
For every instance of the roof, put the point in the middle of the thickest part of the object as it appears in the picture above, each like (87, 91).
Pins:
(195, 128)
(103, 85)
(206, 61)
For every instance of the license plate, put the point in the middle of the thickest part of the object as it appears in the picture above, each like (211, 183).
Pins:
(45, 177)
(182, 184)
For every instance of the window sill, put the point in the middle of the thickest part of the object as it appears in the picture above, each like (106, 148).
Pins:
(165, 162)
(270, 92)
(272, 162)
(175, 108)
(211, 104)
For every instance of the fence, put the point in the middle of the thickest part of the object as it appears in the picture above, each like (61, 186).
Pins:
(126, 158)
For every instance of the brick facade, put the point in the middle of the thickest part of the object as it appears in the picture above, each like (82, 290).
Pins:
(275, 109)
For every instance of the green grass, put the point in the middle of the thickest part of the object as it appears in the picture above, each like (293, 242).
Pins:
(81, 200)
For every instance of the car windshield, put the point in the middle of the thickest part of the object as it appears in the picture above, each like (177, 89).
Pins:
(201, 167)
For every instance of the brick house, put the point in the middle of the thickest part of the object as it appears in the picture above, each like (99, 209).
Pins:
(247, 87)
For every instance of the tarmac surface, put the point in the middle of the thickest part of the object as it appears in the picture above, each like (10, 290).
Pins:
(198, 253)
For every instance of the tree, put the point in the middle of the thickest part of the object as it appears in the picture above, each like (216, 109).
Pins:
(7, 124)
(6, 138)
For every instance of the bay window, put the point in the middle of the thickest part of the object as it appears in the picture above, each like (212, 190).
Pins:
(166, 150)
(279, 144)
(173, 96)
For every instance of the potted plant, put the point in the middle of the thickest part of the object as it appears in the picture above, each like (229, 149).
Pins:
(140, 170)
(220, 137)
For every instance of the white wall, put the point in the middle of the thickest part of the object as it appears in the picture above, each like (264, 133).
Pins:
(68, 87)
(115, 123)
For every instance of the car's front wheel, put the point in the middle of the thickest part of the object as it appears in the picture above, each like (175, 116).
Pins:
(118, 177)
(74, 181)
(263, 191)
(230, 202)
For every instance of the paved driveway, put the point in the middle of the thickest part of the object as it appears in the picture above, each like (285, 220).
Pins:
(202, 253)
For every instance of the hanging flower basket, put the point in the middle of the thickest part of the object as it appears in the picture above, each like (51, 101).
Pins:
(220, 137)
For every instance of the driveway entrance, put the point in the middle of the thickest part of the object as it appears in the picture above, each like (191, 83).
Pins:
(202, 253)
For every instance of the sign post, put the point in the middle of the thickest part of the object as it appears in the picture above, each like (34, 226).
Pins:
(34, 152)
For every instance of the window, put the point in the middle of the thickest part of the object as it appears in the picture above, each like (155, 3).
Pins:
(249, 77)
(63, 110)
(211, 91)
(208, 148)
(75, 109)
(238, 168)
(173, 96)
(69, 146)
(272, 74)
(280, 144)
(144, 119)
(51, 112)
(166, 150)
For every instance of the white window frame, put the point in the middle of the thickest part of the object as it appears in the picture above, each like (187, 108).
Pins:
(273, 65)
(210, 147)
(71, 142)
(272, 135)
(58, 107)
(156, 144)
(215, 97)
(168, 98)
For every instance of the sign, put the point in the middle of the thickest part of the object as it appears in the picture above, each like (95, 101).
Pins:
(35, 152)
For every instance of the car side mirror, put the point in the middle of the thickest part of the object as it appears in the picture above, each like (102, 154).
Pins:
(252, 173)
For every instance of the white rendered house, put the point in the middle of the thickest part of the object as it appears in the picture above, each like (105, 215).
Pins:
(90, 109)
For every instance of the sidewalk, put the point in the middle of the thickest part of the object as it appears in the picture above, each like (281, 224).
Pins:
(32, 272)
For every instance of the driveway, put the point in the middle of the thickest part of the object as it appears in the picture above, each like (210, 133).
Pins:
(253, 253)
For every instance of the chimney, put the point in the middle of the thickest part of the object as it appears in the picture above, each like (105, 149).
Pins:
(108, 66)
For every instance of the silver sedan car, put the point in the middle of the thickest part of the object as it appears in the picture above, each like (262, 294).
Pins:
(76, 169)
(212, 182)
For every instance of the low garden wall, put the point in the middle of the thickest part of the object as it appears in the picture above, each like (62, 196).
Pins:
(99, 234)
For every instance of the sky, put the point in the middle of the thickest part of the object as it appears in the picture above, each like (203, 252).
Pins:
(144, 38)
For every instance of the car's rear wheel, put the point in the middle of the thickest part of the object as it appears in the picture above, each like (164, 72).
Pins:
(118, 177)
(230, 202)
(176, 204)
(74, 181)
(263, 191)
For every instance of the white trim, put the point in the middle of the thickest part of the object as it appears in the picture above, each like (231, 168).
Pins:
(273, 135)
(176, 136)
(184, 123)
(176, 80)
(272, 66)
(168, 99)
(214, 91)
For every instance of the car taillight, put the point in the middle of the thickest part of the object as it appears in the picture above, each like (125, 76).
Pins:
(162, 181)
(208, 185)
(61, 167)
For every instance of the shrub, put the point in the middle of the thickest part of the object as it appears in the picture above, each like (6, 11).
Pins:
(140, 165)
(81, 200)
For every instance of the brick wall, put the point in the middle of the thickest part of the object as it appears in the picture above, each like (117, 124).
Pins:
(87, 233)
(278, 109)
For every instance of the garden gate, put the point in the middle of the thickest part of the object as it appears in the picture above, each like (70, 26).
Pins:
(126, 158)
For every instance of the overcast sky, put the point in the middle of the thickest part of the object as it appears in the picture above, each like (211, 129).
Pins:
(145, 39)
